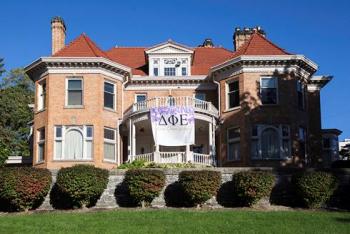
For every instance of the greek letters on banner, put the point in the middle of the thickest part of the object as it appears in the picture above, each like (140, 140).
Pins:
(173, 125)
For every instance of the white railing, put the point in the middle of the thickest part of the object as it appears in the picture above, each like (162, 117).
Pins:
(199, 105)
(172, 157)
(175, 157)
(204, 159)
(145, 157)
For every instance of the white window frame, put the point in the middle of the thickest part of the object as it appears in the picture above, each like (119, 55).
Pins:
(41, 96)
(109, 141)
(83, 130)
(41, 142)
(234, 140)
(302, 91)
(170, 67)
(114, 95)
(227, 95)
(82, 92)
(258, 139)
(140, 94)
(277, 91)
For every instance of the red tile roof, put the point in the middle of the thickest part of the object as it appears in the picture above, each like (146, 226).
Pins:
(259, 45)
(133, 57)
(82, 46)
(203, 58)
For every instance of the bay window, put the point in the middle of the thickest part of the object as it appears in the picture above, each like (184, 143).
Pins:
(109, 152)
(74, 92)
(268, 90)
(233, 94)
(73, 142)
(270, 142)
(41, 144)
(42, 95)
(109, 95)
(301, 95)
(233, 144)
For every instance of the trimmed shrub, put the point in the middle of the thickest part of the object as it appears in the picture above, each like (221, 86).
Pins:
(144, 185)
(23, 188)
(200, 186)
(79, 186)
(314, 188)
(251, 186)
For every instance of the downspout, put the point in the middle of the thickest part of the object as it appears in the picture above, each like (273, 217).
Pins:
(219, 109)
(219, 95)
(120, 159)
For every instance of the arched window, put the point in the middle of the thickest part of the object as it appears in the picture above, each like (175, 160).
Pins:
(270, 144)
(74, 144)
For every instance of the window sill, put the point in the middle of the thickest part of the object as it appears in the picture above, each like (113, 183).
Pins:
(270, 159)
(109, 161)
(39, 111)
(232, 109)
(39, 163)
(72, 160)
(109, 109)
(269, 105)
(74, 107)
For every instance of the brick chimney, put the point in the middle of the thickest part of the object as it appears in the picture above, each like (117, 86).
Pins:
(240, 36)
(58, 30)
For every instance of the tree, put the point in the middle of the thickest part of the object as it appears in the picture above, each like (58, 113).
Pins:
(2, 69)
(16, 92)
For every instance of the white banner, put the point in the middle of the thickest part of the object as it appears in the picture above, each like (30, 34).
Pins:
(173, 125)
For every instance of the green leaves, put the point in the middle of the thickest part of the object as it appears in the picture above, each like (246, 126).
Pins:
(144, 185)
(200, 186)
(16, 92)
(23, 188)
(82, 185)
(251, 186)
(314, 188)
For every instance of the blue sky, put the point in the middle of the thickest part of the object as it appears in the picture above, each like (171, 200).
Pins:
(317, 29)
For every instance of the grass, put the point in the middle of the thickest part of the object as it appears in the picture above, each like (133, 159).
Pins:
(177, 221)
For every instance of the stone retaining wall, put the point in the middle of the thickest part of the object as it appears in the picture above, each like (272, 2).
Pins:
(281, 192)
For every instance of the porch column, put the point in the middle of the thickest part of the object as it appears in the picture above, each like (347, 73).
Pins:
(133, 152)
(189, 154)
(129, 141)
(156, 155)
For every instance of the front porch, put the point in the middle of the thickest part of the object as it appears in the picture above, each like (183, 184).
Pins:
(140, 141)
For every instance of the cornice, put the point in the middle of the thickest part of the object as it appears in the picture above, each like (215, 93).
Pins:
(45, 64)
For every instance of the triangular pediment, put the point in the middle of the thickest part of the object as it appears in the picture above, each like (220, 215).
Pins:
(169, 47)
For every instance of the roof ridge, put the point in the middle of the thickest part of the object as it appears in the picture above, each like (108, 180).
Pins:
(271, 43)
(93, 46)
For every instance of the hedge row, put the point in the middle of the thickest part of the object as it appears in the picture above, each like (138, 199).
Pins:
(82, 185)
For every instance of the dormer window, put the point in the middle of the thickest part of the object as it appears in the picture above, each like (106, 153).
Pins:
(169, 71)
(184, 71)
(169, 59)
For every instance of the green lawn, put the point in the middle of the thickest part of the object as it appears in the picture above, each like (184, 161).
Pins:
(177, 221)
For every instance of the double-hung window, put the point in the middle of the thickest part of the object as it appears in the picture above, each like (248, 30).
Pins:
(169, 71)
(184, 71)
(41, 144)
(301, 95)
(74, 92)
(268, 90)
(233, 94)
(42, 95)
(233, 144)
(109, 95)
(109, 153)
